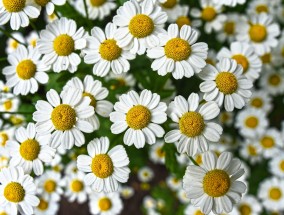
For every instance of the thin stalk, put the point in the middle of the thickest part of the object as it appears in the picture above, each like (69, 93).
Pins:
(10, 36)
(86, 9)
(193, 161)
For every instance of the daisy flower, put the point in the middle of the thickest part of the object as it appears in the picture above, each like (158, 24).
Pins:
(104, 169)
(270, 192)
(261, 100)
(172, 8)
(4, 159)
(225, 84)
(123, 80)
(105, 203)
(140, 116)
(139, 25)
(58, 43)
(249, 205)
(92, 89)
(182, 197)
(211, 58)
(64, 117)
(46, 207)
(157, 154)
(17, 12)
(25, 71)
(5, 135)
(251, 122)
(244, 55)
(214, 187)
(145, 174)
(9, 104)
(195, 126)
(183, 18)
(276, 165)
(260, 32)
(230, 3)
(50, 18)
(126, 192)
(13, 44)
(103, 51)
(226, 118)
(17, 191)
(260, 6)
(173, 182)
(49, 4)
(251, 151)
(273, 81)
(32, 38)
(178, 52)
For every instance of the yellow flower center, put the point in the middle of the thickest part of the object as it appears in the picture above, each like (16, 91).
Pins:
(281, 165)
(242, 60)
(274, 80)
(252, 150)
(198, 159)
(257, 33)
(43, 205)
(14, 192)
(251, 122)
(227, 82)
(267, 142)
(160, 152)
(261, 8)
(216, 183)
(26, 69)
(191, 124)
(138, 117)
(42, 2)
(229, 28)
(29, 149)
(177, 49)
(141, 26)
(33, 43)
(93, 100)
(63, 45)
(183, 20)
(105, 204)
(4, 138)
(63, 117)
(266, 58)
(224, 117)
(102, 166)
(208, 14)
(50, 186)
(14, 5)
(109, 50)
(256, 102)
(3, 213)
(97, 3)
(169, 4)
(57, 168)
(77, 186)
(14, 44)
(275, 193)
(8, 105)
(16, 120)
(245, 209)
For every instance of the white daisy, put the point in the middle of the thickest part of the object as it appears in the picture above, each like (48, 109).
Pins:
(226, 118)
(9, 104)
(64, 118)
(261, 100)
(102, 51)
(17, 191)
(251, 151)
(173, 182)
(182, 197)
(273, 81)
(260, 6)
(225, 84)
(71, 168)
(139, 25)
(17, 12)
(172, 8)
(120, 81)
(49, 4)
(178, 52)
(214, 187)
(157, 154)
(183, 17)
(12, 44)
(25, 71)
(46, 207)
(276, 165)
(32, 38)
(126, 192)
(244, 54)
(58, 43)
(195, 126)
(105, 169)
(145, 174)
(5, 135)
(50, 18)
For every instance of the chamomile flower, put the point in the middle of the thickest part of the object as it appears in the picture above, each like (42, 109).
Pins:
(183, 18)
(195, 126)
(49, 4)
(226, 118)
(244, 55)
(178, 52)
(25, 71)
(46, 207)
(105, 204)
(58, 43)
(17, 12)
(225, 84)
(260, 6)
(271, 193)
(71, 168)
(32, 38)
(30, 150)
(251, 151)
(261, 100)
(120, 81)
(5, 135)
(50, 18)
(182, 197)
(192, 210)
(13, 44)
(9, 104)
(249, 205)
(4, 159)
(172, 8)
(145, 174)
(157, 153)
(17, 191)
(276, 165)
(64, 118)
(104, 169)
(173, 182)
(273, 81)
(140, 115)
(139, 25)
(214, 187)
(230, 3)
(103, 51)
(126, 192)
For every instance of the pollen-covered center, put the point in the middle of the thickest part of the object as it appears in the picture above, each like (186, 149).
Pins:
(138, 117)
(102, 166)
(191, 124)
(177, 49)
(257, 33)
(30, 149)
(14, 192)
(229, 28)
(109, 50)
(275, 193)
(266, 58)
(50, 186)
(77, 186)
(93, 100)
(226, 82)
(26, 69)
(42, 2)
(8, 105)
(262, 8)
(63, 117)
(141, 26)
(252, 151)
(274, 80)
(245, 209)
(160, 152)
(64, 45)
(43, 205)
(242, 60)
(216, 183)
(105, 204)
(183, 20)
(257, 102)
(14, 5)
(251, 122)
(169, 4)
(281, 165)
(97, 3)
(208, 14)
(267, 142)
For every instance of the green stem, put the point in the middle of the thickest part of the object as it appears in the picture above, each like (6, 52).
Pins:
(34, 27)
(86, 9)
(57, 14)
(193, 161)
(19, 112)
(11, 36)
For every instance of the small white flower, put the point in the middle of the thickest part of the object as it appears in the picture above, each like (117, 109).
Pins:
(126, 192)
(276, 165)
(46, 207)
(251, 204)
(157, 153)
(145, 174)
(273, 81)
(11, 44)
(251, 151)
(261, 100)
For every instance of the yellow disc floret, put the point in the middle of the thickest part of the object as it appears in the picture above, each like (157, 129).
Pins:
(226, 82)
(274, 80)
(262, 8)
(183, 20)
(97, 3)
(50, 186)
(105, 204)
(63, 45)
(242, 60)
(3, 137)
(14, 6)
(102, 166)
(63, 117)
(281, 165)
(198, 212)
(257, 33)
(43, 205)
(30, 149)
(266, 58)
(138, 117)
(42, 2)
(93, 100)
(141, 26)
(216, 183)
(26, 69)
(267, 142)
(76, 186)
(109, 50)
(177, 49)
(8, 105)
(257, 102)
(229, 28)
(191, 124)
(245, 209)
(251, 122)
(252, 150)
(208, 14)
(275, 193)
(14, 192)
(169, 4)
